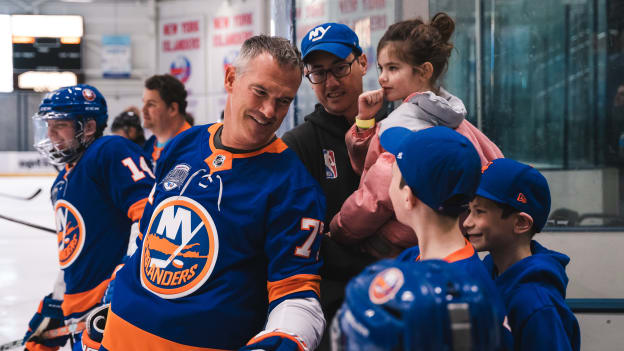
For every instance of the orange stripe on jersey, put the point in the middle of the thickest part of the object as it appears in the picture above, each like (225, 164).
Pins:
(300, 344)
(33, 346)
(119, 266)
(136, 210)
(276, 147)
(296, 283)
(465, 252)
(184, 127)
(156, 152)
(220, 160)
(121, 335)
(68, 169)
(81, 302)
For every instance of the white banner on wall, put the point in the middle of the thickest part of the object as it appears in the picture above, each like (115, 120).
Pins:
(230, 26)
(181, 52)
(116, 56)
(24, 162)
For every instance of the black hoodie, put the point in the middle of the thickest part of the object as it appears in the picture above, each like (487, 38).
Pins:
(319, 142)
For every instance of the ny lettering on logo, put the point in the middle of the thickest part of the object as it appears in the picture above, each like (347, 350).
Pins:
(170, 224)
(318, 33)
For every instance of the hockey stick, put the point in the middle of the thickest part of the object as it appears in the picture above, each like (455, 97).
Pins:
(49, 334)
(22, 197)
(27, 224)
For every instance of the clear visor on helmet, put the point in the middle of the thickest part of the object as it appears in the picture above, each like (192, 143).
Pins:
(57, 136)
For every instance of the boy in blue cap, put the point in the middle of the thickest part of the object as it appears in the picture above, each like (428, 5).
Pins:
(511, 205)
(436, 174)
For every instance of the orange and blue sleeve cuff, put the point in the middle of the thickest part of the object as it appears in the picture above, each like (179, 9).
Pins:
(136, 210)
(301, 346)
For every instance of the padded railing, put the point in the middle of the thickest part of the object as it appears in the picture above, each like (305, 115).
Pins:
(596, 305)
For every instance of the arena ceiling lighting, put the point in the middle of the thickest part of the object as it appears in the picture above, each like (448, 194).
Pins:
(46, 81)
(47, 26)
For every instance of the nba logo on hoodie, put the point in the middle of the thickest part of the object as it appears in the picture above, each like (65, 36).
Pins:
(331, 172)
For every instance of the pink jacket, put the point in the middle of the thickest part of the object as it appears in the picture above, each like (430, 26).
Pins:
(367, 217)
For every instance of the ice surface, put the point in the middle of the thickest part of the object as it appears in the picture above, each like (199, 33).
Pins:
(28, 256)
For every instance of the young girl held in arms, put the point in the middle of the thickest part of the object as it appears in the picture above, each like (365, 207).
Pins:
(411, 57)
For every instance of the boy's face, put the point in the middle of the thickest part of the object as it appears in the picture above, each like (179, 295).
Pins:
(397, 195)
(486, 229)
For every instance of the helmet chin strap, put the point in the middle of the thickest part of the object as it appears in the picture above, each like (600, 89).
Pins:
(69, 155)
(83, 141)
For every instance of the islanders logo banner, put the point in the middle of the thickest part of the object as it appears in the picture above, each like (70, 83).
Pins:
(70, 232)
(180, 248)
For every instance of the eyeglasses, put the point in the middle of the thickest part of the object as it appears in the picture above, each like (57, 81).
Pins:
(338, 71)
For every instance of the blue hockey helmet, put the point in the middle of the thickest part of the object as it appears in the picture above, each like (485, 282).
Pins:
(78, 103)
(410, 306)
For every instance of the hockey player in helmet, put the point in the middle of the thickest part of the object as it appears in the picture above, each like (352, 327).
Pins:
(424, 306)
(100, 191)
(68, 120)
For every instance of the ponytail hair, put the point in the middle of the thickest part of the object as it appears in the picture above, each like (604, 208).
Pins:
(415, 42)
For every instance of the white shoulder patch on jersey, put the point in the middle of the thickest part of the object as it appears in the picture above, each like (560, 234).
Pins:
(176, 177)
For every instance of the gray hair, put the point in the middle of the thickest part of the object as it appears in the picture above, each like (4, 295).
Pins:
(282, 50)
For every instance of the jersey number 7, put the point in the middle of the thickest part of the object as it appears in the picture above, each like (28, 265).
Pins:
(312, 225)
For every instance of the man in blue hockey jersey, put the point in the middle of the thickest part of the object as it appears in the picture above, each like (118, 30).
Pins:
(230, 235)
(99, 193)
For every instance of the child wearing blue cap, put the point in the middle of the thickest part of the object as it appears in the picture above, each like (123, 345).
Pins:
(435, 175)
(511, 205)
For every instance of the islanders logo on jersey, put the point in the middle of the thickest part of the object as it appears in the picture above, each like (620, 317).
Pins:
(385, 285)
(180, 248)
(70, 231)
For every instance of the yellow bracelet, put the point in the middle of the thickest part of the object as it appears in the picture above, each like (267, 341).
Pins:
(365, 123)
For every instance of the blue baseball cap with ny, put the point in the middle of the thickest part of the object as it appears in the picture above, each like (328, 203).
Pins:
(335, 38)
(441, 166)
(518, 185)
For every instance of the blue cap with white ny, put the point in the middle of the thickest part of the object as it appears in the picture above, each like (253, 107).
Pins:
(335, 38)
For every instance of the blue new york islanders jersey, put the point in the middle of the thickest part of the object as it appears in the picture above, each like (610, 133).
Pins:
(226, 237)
(151, 148)
(95, 203)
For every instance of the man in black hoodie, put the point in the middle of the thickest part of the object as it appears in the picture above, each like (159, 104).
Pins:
(335, 67)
